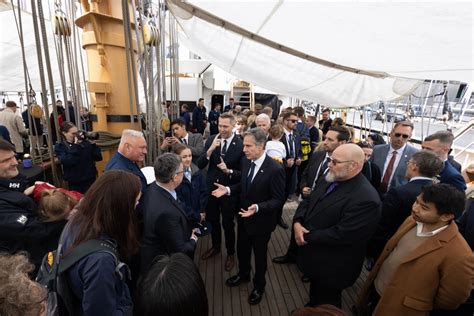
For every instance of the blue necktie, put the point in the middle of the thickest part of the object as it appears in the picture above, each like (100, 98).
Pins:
(331, 188)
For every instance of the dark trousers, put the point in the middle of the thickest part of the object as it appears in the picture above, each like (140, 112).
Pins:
(259, 244)
(215, 208)
(292, 246)
(323, 293)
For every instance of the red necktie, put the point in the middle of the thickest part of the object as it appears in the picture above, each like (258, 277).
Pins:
(388, 173)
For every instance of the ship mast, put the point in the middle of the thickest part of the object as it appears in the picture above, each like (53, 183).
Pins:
(111, 51)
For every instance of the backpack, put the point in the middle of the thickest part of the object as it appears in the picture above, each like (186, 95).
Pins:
(61, 300)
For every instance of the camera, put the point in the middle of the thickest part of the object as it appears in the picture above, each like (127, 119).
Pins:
(85, 135)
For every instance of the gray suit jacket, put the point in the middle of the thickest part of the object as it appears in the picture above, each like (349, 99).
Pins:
(197, 145)
(379, 156)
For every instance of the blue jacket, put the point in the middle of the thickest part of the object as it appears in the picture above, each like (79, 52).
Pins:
(78, 160)
(199, 115)
(214, 122)
(193, 195)
(96, 285)
(120, 162)
(450, 175)
(186, 116)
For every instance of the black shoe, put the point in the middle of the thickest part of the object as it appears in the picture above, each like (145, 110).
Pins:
(282, 223)
(236, 280)
(284, 259)
(305, 278)
(255, 296)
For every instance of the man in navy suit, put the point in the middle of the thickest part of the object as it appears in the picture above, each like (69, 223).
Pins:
(440, 143)
(229, 107)
(199, 117)
(292, 142)
(223, 154)
(261, 196)
(333, 226)
(397, 205)
(167, 229)
(392, 158)
(132, 149)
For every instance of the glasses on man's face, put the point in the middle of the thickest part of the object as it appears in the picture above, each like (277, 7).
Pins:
(292, 121)
(178, 172)
(410, 162)
(335, 161)
(405, 136)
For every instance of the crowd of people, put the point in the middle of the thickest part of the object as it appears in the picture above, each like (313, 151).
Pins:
(395, 210)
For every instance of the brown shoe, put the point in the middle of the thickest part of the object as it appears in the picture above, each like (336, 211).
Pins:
(211, 252)
(229, 262)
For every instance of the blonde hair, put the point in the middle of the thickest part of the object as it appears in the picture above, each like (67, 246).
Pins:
(55, 205)
(276, 131)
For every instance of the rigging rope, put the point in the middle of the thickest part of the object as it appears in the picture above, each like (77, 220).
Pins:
(44, 91)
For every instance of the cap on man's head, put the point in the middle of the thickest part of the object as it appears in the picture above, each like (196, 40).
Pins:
(11, 104)
(258, 106)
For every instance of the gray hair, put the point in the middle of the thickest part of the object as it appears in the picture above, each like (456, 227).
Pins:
(263, 117)
(166, 166)
(258, 135)
(130, 133)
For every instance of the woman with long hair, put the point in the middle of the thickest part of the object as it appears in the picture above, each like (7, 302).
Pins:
(77, 156)
(107, 212)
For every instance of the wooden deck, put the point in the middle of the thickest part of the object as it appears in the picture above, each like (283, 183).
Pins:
(284, 291)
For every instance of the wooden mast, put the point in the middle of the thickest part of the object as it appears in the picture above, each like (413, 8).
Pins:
(104, 42)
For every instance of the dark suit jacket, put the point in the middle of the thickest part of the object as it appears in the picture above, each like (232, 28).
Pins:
(232, 159)
(311, 171)
(314, 137)
(339, 224)
(199, 115)
(297, 139)
(193, 195)
(167, 229)
(396, 207)
(267, 190)
(454, 163)
(120, 162)
(450, 175)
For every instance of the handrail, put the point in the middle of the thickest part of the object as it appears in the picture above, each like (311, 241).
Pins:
(463, 150)
(463, 130)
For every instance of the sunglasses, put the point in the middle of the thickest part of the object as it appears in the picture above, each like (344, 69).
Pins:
(292, 121)
(397, 135)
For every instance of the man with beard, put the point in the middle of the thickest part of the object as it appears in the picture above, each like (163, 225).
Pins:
(332, 226)
(315, 172)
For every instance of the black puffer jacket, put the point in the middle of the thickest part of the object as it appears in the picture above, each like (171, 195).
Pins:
(21, 229)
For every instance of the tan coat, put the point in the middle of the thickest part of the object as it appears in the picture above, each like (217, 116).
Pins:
(439, 274)
(15, 126)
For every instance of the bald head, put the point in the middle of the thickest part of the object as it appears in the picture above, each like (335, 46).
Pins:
(347, 161)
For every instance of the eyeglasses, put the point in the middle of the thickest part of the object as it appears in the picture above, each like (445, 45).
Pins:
(292, 121)
(397, 135)
(178, 172)
(409, 162)
(335, 162)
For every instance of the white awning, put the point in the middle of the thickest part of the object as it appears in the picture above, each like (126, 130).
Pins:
(339, 53)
